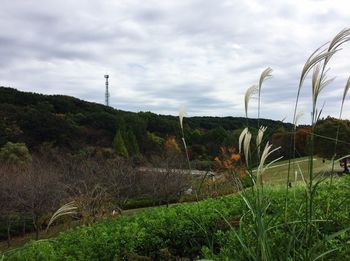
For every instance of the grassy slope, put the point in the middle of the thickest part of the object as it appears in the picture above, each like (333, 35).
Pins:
(278, 172)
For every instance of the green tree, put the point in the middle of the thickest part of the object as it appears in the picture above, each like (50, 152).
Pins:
(119, 145)
(325, 131)
(214, 139)
(15, 153)
(154, 143)
(325, 134)
(232, 138)
(131, 143)
(3, 136)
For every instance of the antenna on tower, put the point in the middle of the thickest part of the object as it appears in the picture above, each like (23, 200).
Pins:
(107, 92)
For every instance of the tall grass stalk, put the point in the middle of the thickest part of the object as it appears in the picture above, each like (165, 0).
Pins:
(317, 56)
(259, 204)
(319, 81)
(318, 62)
(182, 114)
(251, 91)
(346, 89)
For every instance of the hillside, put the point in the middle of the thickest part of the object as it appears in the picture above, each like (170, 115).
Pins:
(74, 124)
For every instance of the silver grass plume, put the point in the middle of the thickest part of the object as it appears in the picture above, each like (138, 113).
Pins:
(244, 141)
(316, 57)
(67, 209)
(346, 89)
(248, 95)
(266, 74)
(241, 138)
(246, 147)
(259, 138)
(324, 54)
(319, 82)
(342, 37)
(182, 114)
(315, 84)
(266, 152)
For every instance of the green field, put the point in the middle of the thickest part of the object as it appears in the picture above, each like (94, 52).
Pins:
(278, 172)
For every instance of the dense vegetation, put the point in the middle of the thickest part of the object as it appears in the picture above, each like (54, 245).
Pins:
(66, 122)
(199, 229)
(61, 121)
(79, 126)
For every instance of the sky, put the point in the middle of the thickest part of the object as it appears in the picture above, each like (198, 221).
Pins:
(162, 55)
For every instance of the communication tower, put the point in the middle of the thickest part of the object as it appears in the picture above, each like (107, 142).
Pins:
(107, 92)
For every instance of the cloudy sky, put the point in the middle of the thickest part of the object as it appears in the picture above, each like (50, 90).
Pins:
(161, 55)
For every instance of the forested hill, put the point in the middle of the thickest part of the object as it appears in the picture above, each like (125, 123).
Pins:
(74, 124)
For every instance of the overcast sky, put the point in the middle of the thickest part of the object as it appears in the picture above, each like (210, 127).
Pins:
(164, 54)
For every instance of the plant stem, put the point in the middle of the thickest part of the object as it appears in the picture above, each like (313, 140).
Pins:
(336, 141)
(188, 161)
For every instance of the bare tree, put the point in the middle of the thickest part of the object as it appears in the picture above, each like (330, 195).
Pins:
(9, 208)
(99, 185)
(119, 176)
(168, 180)
(89, 199)
(38, 191)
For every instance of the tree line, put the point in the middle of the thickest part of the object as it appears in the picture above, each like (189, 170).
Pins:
(66, 122)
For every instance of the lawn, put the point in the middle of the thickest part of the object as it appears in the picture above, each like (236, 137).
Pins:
(278, 172)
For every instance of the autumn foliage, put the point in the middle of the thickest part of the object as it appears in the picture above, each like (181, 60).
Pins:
(171, 144)
(229, 161)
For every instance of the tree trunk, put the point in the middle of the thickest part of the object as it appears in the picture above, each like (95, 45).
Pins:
(346, 169)
(24, 227)
(8, 232)
(36, 226)
(36, 232)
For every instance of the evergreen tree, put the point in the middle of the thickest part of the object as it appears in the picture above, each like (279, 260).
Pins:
(15, 153)
(119, 145)
(131, 143)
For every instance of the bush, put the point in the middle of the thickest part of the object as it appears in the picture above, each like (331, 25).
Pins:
(15, 154)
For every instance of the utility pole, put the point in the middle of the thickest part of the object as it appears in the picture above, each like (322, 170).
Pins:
(107, 92)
